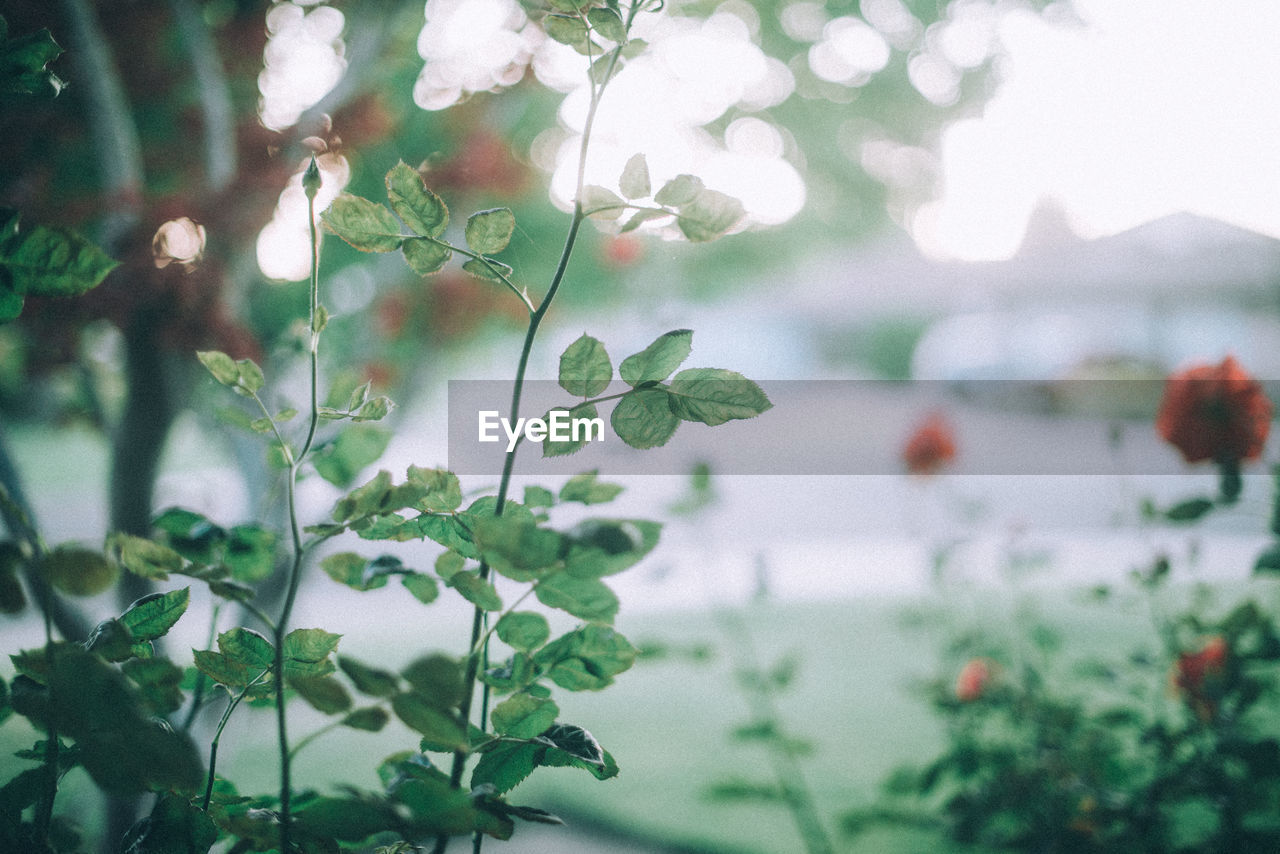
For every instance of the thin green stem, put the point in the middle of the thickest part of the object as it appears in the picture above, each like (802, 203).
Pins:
(478, 647)
(535, 320)
(299, 549)
(202, 681)
(217, 737)
(307, 739)
(475, 256)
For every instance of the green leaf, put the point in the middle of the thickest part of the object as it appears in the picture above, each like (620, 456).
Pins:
(369, 680)
(634, 182)
(365, 500)
(365, 225)
(174, 826)
(1269, 561)
(145, 558)
(349, 819)
(537, 496)
(426, 256)
(524, 716)
(607, 23)
(602, 203)
(517, 547)
(45, 261)
(421, 209)
(438, 679)
(251, 378)
(643, 419)
(586, 489)
(1189, 510)
(640, 218)
(159, 683)
(223, 669)
(656, 362)
(506, 765)
(250, 553)
(440, 729)
(554, 448)
(575, 741)
(475, 590)
(585, 598)
(78, 571)
(608, 546)
(248, 648)
(449, 563)
(220, 365)
(714, 396)
(369, 719)
(23, 62)
(356, 447)
(373, 410)
(709, 215)
(306, 652)
(567, 30)
(153, 615)
(587, 658)
(350, 569)
(523, 630)
(489, 232)
(323, 693)
(680, 190)
(110, 639)
(443, 492)
(423, 587)
(487, 269)
(585, 369)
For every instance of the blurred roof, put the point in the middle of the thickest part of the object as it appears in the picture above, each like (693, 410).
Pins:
(1177, 260)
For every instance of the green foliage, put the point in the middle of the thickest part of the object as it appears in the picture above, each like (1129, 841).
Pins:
(24, 61)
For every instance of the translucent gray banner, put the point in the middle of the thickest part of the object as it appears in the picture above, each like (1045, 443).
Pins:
(853, 427)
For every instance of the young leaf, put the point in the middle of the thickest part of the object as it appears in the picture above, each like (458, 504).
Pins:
(423, 587)
(608, 546)
(586, 489)
(680, 190)
(220, 365)
(369, 680)
(602, 203)
(78, 571)
(247, 647)
(488, 269)
(306, 652)
(643, 419)
(426, 256)
(369, 719)
(443, 491)
(449, 563)
(153, 615)
(475, 590)
(437, 678)
(440, 729)
(714, 396)
(506, 765)
(144, 557)
(553, 448)
(524, 716)
(585, 369)
(640, 218)
(587, 658)
(607, 23)
(489, 232)
(709, 215)
(523, 630)
(342, 459)
(634, 182)
(48, 261)
(350, 569)
(517, 547)
(537, 496)
(421, 209)
(656, 362)
(323, 693)
(584, 598)
(567, 30)
(251, 378)
(365, 225)
(250, 553)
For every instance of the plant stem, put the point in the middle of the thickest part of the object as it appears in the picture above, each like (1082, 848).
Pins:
(791, 783)
(504, 486)
(299, 549)
(202, 681)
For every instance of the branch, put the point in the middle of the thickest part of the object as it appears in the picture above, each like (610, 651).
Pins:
(215, 95)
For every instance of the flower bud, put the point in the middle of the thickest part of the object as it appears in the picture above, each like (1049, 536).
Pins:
(311, 179)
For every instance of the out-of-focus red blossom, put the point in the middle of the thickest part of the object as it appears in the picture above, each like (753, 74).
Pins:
(458, 304)
(974, 678)
(1197, 677)
(931, 447)
(1215, 412)
(622, 250)
(380, 373)
(391, 314)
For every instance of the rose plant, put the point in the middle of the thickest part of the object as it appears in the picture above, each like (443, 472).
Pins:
(124, 709)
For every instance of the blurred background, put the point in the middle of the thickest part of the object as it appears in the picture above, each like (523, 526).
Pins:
(954, 191)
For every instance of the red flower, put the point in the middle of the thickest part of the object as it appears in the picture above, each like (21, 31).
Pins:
(1215, 412)
(1197, 676)
(974, 678)
(931, 446)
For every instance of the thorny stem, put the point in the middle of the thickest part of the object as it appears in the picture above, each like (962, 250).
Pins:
(311, 183)
(474, 660)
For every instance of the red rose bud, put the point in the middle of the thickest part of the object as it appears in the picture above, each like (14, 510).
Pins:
(931, 447)
(974, 679)
(1215, 412)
